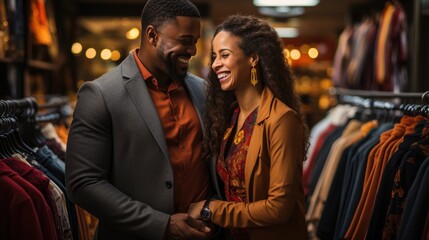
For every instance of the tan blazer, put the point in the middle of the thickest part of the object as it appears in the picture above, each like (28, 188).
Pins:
(273, 171)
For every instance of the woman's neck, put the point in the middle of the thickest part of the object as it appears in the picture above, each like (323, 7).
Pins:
(249, 99)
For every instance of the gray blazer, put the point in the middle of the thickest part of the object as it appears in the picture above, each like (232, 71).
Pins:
(117, 163)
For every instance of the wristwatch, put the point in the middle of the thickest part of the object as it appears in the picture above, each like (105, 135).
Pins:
(205, 212)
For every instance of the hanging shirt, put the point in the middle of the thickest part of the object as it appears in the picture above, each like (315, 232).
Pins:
(391, 51)
(45, 219)
(404, 179)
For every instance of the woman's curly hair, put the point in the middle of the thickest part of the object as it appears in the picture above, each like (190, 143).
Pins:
(259, 37)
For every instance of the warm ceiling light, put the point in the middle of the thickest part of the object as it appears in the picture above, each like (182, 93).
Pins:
(105, 54)
(133, 33)
(285, 32)
(295, 54)
(116, 55)
(282, 11)
(278, 3)
(90, 53)
(313, 53)
(76, 48)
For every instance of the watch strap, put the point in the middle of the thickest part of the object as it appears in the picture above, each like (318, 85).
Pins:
(205, 211)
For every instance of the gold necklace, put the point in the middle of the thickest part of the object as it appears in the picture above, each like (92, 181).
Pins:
(239, 137)
(227, 133)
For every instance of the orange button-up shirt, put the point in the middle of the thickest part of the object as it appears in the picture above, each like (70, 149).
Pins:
(183, 133)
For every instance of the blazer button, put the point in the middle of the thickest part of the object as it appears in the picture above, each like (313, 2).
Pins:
(168, 184)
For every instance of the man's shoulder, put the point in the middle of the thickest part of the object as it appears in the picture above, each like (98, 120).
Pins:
(114, 77)
(111, 74)
(193, 77)
(117, 73)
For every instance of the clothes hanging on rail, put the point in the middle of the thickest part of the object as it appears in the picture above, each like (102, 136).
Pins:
(347, 185)
(39, 23)
(44, 171)
(372, 54)
(42, 183)
(366, 175)
(318, 136)
(18, 211)
(397, 177)
(56, 139)
(391, 51)
(377, 160)
(415, 217)
(45, 218)
(32, 177)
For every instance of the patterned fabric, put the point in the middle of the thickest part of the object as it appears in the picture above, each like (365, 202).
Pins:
(404, 178)
(232, 161)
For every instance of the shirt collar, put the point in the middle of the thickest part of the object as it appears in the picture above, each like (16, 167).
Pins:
(148, 77)
(144, 71)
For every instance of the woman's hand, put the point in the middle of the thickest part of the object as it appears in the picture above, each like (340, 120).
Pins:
(195, 208)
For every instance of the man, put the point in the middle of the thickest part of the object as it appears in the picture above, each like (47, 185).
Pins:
(133, 154)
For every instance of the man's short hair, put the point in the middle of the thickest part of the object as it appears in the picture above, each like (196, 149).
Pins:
(158, 12)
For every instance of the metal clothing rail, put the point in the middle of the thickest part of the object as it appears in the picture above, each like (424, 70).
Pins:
(27, 108)
(366, 99)
(50, 117)
(378, 94)
(56, 102)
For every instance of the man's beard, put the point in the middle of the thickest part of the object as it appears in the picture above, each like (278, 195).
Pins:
(171, 66)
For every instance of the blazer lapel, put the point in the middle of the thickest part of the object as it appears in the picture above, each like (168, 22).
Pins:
(140, 95)
(195, 90)
(252, 157)
(257, 139)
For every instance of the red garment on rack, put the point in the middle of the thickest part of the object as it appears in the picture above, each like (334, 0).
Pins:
(17, 212)
(42, 208)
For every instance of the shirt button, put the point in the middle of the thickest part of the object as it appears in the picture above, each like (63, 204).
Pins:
(168, 184)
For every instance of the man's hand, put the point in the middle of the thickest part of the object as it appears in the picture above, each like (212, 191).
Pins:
(183, 226)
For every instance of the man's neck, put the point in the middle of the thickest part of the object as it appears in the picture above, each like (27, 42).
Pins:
(164, 80)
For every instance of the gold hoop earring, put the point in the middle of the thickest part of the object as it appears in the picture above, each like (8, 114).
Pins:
(253, 76)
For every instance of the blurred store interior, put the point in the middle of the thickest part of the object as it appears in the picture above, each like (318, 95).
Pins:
(364, 62)
(50, 47)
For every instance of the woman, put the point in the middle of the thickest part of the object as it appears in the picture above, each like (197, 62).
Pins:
(255, 134)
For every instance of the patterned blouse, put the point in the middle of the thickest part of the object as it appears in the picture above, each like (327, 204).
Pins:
(231, 163)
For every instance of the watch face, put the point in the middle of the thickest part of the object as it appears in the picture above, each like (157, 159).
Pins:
(205, 214)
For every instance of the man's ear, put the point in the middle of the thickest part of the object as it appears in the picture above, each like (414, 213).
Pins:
(151, 35)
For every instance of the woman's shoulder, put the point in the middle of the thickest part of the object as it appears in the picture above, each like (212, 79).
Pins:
(274, 110)
(280, 110)
(283, 119)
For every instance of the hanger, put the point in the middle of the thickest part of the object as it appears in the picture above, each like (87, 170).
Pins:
(11, 140)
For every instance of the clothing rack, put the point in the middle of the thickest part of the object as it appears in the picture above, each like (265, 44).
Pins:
(21, 134)
(55, 103)
(27, 108)
(20, 108)
(366, 99)
(50, 117)
(55, 109)
(7, 124)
